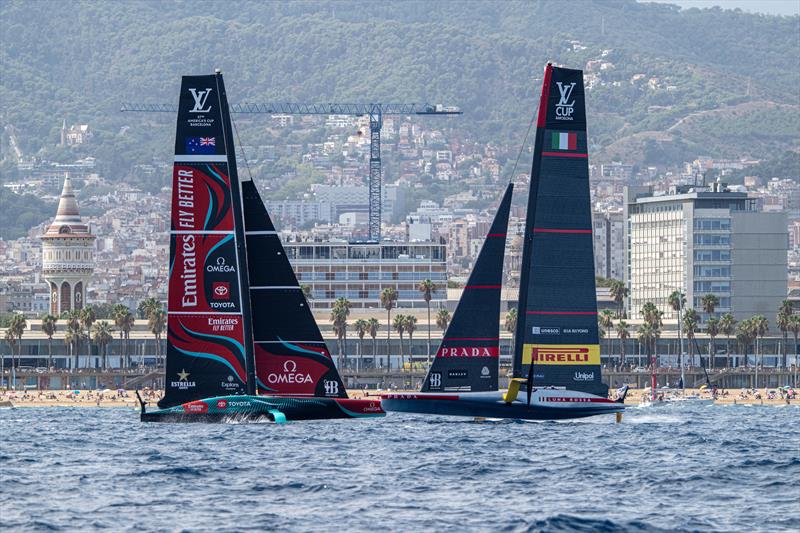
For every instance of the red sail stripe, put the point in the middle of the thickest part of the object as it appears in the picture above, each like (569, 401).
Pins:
(561, 312)
(554, 230)
(496, 235)
(482, 286)
(564, 154)
(541, 118)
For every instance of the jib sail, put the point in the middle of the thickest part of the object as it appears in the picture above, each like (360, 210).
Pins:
(291, 356)
(467, 359)
(209, 351)
(557, 324)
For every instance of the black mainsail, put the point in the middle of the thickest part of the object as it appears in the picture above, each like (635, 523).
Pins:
(557, 326)
(208, 349)
(467, 358)
(291, 355)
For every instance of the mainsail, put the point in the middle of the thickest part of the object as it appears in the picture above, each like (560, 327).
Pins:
(467, 358)
(209, 351)
(557, 324)
(291, 356)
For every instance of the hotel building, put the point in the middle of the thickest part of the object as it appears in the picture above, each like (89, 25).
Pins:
(703, 240)
(359, 271)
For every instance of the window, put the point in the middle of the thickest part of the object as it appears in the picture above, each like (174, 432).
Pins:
(712, 240)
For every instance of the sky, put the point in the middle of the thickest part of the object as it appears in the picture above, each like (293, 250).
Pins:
(769, 7)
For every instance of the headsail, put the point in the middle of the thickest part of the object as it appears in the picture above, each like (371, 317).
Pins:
(557, 325)
(208, 345)
(291, 356)
(467, 358)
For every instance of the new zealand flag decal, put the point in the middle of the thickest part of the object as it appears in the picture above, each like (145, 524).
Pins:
(201, 145)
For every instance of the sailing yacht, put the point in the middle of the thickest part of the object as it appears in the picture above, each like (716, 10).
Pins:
(241, 340)
(556, 358)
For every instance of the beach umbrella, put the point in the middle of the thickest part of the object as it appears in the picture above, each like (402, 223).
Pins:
(76, 392)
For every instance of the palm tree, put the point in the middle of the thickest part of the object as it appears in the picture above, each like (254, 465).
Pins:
(443, 319)
(623, 334)
(511, 327)
(124, 321)
(785, 310)
(605, 321)
(411, 327)
(307, 292)
(88, 316)
(399, 326)
(339, 313)
(619, 292)
(17, 326)
(156, 323)
(677, 301)
(73, 335)
(361, 326)
(428, 288)
(646, 334)
(712, 329)
(11, 340)
(49, 329)
(709, 303)
(101, 334)
(373, 326)
(794, 327)
(727, 326)
(388, 302)
(760, 328)
(744, 336)
(148, 306)
(691, 320)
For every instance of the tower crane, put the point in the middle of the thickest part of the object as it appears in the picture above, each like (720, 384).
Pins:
(376, 112)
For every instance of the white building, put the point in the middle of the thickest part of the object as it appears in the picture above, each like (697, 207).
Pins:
(703, 240)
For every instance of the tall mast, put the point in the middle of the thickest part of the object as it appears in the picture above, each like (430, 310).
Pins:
(241, 246)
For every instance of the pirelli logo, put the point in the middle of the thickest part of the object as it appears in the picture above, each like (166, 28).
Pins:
(559, 354)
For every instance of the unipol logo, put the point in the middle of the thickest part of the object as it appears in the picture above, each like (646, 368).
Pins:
(331, 387)
(566, 104)
(200, 98)
(436, 380)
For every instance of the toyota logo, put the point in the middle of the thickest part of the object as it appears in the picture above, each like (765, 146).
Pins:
(221, 290)
(289, 366)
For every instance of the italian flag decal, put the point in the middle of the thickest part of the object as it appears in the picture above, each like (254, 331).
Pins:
(564, 141)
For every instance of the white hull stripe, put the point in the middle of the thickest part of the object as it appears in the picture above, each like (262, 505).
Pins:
(293, 342)
(201, 313)
(201, 159)
(200, 232)
(274, 287)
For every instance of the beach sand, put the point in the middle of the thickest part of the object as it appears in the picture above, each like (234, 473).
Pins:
(89, 398)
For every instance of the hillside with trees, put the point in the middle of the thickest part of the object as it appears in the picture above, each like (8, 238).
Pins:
(680, 83)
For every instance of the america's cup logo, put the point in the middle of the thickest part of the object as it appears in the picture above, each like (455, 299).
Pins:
(565, 105)
(200, 98)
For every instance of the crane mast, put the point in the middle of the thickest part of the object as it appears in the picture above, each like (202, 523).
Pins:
(375, 112)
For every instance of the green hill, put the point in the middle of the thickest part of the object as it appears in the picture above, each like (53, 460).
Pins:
(80, 60)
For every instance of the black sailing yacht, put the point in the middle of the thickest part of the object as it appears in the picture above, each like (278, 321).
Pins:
(556, 351)
(241, 340)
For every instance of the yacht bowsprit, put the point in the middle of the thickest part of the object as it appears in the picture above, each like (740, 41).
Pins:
(241, 341)
(556, 358)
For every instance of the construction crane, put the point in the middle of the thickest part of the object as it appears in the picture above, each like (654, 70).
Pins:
(376, 112)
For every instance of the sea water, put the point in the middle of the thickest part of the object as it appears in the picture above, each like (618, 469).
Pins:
(687, 468)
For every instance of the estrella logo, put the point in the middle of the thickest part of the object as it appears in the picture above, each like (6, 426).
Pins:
(558, 354)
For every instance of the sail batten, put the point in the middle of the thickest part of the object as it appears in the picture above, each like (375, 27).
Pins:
(557, 342)
(467, 358)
